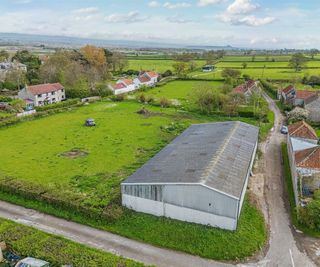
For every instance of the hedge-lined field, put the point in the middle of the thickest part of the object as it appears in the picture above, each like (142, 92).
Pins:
(159, 65)
(72, 171)
(29, 242)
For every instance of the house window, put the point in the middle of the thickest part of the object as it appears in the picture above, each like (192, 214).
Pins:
(62, 90)
(53, 93)
(62, 97)
(53, 100)
(40, 95)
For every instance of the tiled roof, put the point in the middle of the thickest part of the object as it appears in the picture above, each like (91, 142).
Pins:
(44, 88)
(302, 130)
(288, 89)
(118, 86)
(152, 74)
(143, 79)
(305, 95)
(243, 88)
(127, 81)
(308, 158)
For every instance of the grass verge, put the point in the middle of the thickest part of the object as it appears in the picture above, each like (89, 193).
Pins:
(27, 241)
(191, 238)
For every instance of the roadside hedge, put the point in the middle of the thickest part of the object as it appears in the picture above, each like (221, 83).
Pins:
(271, 90)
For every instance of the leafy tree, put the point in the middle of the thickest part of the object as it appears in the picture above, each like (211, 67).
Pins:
(4, 55)
(244, 65)
(231, 76)
(233, 102)
(297, 61)
(313, 53)
(32, 62)
(181, 69)
(17, 77)
(207, 99)
(185, 57)
(253, 58)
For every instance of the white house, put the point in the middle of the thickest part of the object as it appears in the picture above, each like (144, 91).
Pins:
(302, 143)
(149, 78)
(42, 94)
(123, 86)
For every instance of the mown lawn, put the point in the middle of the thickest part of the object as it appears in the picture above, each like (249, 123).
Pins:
(29, 242)
(86, 189)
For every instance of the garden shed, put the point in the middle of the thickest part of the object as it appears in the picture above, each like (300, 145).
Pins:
(200, 177)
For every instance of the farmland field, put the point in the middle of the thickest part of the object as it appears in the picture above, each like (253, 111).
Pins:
(77, 169)
(159, 65)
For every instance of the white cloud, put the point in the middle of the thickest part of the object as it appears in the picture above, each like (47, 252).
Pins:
(86, 11)
(154, 4)
(21, 1)
(240, 13)
(178, 19)
(204, 3)
(242, 7)
(131, 17)
(170, 5)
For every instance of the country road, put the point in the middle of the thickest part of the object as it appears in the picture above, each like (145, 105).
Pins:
(283, 250)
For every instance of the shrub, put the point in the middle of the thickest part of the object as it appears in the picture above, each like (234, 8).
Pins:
(165, 102)
(271, 90)
(167, 73)
(63, 104)
(149, 99)
(5, 99)
(142, 98)
(118, 98)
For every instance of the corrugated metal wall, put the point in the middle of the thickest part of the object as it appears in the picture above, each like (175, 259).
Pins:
(189, 196)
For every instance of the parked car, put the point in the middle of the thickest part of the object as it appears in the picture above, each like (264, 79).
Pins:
(284, 130)
(90, 122)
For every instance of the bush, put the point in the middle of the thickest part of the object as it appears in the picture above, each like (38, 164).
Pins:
(5, 99)
(118, 98)
(165, 102)
(167, 73)
(149, 99)
(63, 104)
(271, 90)
(142, 98)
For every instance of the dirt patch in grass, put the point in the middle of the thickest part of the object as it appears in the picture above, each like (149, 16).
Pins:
(75, 153)
(147, 113)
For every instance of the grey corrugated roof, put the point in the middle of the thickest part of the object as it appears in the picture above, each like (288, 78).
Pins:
(216, 155)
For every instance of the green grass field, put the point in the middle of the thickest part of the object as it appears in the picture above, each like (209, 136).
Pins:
(180, 90)
(159, 65)
(120, 143)
(29, 242)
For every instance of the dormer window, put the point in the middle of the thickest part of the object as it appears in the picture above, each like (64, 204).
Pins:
(40, 95)
(53, 93)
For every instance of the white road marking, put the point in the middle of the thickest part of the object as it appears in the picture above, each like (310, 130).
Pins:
(291, 258)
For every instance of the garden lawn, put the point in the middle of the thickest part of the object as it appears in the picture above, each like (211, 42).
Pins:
(29, 242)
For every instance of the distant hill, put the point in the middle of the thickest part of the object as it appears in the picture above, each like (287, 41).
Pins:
(63, 41)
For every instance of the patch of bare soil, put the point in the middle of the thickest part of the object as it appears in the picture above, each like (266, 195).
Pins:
(75, 153)
(147, 113)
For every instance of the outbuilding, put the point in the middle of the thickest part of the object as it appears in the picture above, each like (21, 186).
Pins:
(200, 177)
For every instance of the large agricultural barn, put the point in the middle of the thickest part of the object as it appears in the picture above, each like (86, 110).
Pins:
(200, 177)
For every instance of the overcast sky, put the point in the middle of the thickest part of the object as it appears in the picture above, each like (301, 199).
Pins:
(241, 23)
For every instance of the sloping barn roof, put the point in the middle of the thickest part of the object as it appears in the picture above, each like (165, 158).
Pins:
(216, 155)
